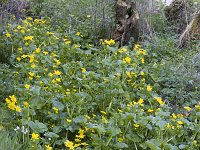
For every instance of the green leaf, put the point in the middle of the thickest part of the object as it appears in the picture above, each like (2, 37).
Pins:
(133, 137)
(121, 145)
(80, 119)
(161, 124)
(58, 105)
(38, 126)
(152, 145)
(51, 135)
(170, 147)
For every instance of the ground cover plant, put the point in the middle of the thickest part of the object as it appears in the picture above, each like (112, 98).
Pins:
(67, 93)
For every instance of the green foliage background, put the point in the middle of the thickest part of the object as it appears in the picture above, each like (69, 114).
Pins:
(101, 88)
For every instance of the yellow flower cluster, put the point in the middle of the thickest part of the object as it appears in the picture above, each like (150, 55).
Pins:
(109, 42)
(11, 102)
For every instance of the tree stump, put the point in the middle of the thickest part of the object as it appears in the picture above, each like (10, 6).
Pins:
(177, 14)
(127, 20)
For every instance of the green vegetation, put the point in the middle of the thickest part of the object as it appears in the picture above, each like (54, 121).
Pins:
(62, 87)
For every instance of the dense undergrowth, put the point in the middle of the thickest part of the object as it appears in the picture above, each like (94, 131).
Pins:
(58, 90)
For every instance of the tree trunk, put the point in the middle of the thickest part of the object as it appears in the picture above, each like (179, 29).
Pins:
(127, 20)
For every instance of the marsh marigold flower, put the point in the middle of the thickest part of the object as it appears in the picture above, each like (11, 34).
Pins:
(38, 50)
(8, 35)
(180, 122)
(136, 125)
(159, 100)
(26, 38)
(109, 42)
(48, 147)
(27, 86)
(69, 144)
(149, 88)
(35, 136)
(18, 109)
(187, 108)
(83, 70)
(140, 101)
(57, 72)
(127, 60)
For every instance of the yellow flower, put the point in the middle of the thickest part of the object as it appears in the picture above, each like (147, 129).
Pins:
(57, 72)
(57, 62)
(18, 109)
(55, 110)
(13, 98)
(69, 120)
(22, 31)
(168, 125)
(103, 112)
(35, 136)
(180, 122)
(48, 147)
(29, 18)
(195, 142)
(32, 65)
(18, 58)
(11, 105)
(109, 42)
(32, 57)
(127, 60)
(78, 33)
(8, 101)
(24, 56)
(68, 91)
(159, 100)
(8, 35)
(31, 74)
(88, 16)
(58, 79)
(197, 107)
(136, 125)
(76, 46)
(27, 86)
(38, 50)
(49, 33)
(142, 60)
(67, 42)
(45, 53)
(26, 38)
(19, 49)
(137, 46)
(150, 110)
(81, 134)
(69, 144)
(179, 115)
(26, 104)
(84, 144)
(140, 101)
(19, 27)
(142, 73)
(149, 88)
(174, 116)
(188, 108)
(83, 70)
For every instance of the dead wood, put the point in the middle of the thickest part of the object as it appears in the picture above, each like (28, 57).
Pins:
(127, 20)
(192, 31)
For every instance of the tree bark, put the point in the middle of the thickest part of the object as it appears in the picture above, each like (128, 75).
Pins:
(127, 22)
